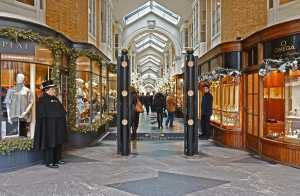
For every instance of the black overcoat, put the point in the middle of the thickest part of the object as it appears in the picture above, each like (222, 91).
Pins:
(51, 127)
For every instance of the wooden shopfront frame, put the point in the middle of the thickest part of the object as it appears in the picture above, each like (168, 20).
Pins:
(225, 52)
(276, 150)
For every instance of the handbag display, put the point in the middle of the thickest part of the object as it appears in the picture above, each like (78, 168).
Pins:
(139, 107)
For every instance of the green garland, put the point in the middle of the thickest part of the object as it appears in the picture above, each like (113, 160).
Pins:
(10, 145)
(95, 127)
(58, 49)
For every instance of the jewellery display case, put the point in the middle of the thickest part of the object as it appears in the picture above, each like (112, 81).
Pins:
(226, 103)
(215, 89)
(230, 103)
(292, 106)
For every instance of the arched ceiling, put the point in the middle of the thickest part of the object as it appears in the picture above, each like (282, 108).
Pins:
(150, 44)
(180, 7)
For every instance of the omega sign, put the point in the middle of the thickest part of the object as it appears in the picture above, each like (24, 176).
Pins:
(282, 47)
(11, 47)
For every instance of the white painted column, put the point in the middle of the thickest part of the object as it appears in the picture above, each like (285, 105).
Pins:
(32, 88)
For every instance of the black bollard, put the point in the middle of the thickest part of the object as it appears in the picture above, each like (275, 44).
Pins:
(123, 116)
(190, 105)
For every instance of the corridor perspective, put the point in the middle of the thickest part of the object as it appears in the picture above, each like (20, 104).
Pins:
(150, 97)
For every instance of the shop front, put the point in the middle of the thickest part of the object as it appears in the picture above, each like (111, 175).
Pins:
(178, 87)
(272, 88)
(220, 70)
(31, 53)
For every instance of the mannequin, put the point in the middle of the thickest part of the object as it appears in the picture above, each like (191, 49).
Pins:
(79, 95)
(19, 101)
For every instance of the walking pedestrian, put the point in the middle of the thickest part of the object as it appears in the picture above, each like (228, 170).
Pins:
(159, 104)
(137, 108)
(171, 106)
(148, 102)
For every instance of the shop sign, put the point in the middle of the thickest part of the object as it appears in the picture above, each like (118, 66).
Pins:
(283, 47)
(19, 47)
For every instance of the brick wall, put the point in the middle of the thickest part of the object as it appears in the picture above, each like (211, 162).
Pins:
(240, 18)
(69, 17)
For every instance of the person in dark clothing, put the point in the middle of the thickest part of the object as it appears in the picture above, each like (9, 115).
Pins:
(159, 104)
(148, 102)
(51, 127)
(206, 112)
(152, 100)
(135, 114)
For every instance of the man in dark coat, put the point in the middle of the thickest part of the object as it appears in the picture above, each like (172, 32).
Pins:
(159, 104)
(148, 102)
(206, 112)
(51, 128)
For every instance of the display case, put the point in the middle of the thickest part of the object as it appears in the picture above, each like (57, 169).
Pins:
(226, 98)
(215, 89)
(230, 103)
(292, 106)
(274, 105)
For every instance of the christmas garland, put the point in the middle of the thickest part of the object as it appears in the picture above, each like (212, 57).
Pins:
(218, 74)
(282, 65)
(10, 145)
(58, 49)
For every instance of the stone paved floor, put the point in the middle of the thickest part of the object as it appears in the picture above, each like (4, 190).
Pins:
(155, 168)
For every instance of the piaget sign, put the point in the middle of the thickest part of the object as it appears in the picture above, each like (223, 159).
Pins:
(12, 47)
(283, 47)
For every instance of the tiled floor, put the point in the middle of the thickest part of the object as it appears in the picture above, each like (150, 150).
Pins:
(155, 168)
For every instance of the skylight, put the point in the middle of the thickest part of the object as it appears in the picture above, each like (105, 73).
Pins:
(150, 44)
(154, 7)
(147, 67)
(150, 61)
(150, 57)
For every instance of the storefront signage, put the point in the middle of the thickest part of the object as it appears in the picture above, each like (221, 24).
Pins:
(283, 47)
(12, 47)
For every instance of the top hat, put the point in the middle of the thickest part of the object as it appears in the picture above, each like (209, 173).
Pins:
(47, 84)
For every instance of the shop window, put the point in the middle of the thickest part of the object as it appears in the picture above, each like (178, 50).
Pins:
(104, 97)
(215, 89)
(16, 98)
(112, 100)
(252, 106)
(83, 92)
(292, 106)
(253, 56)
(274, 105)
(96, 92)
(28, 2)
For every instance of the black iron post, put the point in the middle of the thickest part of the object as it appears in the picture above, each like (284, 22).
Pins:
(123, 112)
(190, 105)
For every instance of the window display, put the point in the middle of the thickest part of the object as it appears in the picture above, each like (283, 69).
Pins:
(274, 102)
(226, 102)
(230, 102)
(215, 89)
(83, 91)
(292, 105)
(16, 99)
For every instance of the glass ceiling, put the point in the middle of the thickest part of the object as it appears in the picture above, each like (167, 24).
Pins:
(149, 61)
(154, 7)
(155, 69)
(150, 57)
(150, 44)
